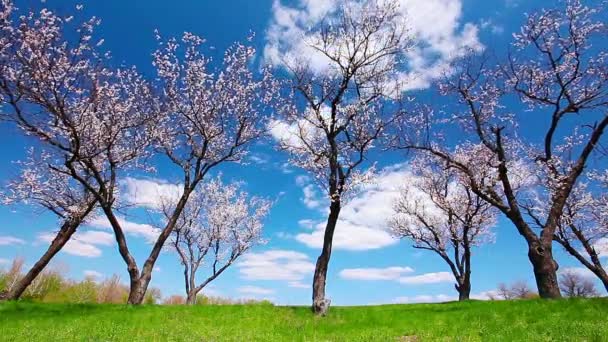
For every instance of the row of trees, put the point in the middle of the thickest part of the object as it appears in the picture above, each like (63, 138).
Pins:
(551, 186)
(52, 286)
(92, 123)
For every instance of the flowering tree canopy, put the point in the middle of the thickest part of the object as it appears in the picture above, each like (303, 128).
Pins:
(216, 227)
(60, 92)
(440, 213)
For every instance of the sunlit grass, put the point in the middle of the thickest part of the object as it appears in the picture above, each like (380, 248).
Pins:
(535, 320)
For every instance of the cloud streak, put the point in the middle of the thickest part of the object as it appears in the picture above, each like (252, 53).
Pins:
(281, 265)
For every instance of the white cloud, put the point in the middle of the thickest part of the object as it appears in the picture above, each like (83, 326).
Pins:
(440, 298)
(601, 247)
(276, 265)
(496, 29)
(311, 199)
(302, 180)
(149, 193)
(348, 236)
(389, 273)
(362, 222)
(93, 274)
(4, 261)
(10, 240)
(286, 168)
(580, 271)
(396, 274)
(428, 278)
(298, 285)
(435, 24)
(487, 295)
(82, 243)
(146, 231)
(306, 224)
(512, 3)
(94, 237)
(283, 132)
(255, 290)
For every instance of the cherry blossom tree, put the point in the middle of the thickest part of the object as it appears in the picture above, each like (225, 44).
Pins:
(441, 214)
(583, 226)
(45, 106)
(218, 225)
(40, 185)
(347, 105)
(559, 73)
(100, 122)
(207, 117)
(92, 120)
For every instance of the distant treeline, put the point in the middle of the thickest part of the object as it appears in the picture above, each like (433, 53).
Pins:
(53, 286)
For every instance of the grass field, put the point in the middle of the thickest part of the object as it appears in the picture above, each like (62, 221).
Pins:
(535, 320)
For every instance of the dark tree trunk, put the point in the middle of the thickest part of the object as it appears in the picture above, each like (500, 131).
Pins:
(545, 270)
(464, 288)
(320, 304)
(68, 228)
(63, 236)
(603, 277)
(137, 292)
(464, 291)
(540, 254)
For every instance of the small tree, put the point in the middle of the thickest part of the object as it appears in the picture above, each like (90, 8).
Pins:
(346, 110)
(574, 285)
(517, 290)
(441, 214)
(216, 227)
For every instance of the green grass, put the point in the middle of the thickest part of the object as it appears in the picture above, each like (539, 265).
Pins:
(535, 320)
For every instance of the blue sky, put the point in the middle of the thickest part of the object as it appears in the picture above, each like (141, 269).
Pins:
(292, 248)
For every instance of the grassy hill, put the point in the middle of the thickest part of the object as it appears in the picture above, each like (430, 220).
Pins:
(534, 320)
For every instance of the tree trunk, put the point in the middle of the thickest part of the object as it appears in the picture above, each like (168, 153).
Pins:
(595, 265)
(137, 293)
(545, 270)
(141, 281)
(63, 236)
(464, 288)
(320, 304)
(68, 228)
(191, 300)
(604, 278)
(464, 292)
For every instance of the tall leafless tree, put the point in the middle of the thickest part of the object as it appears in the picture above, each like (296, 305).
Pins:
(573, 285)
